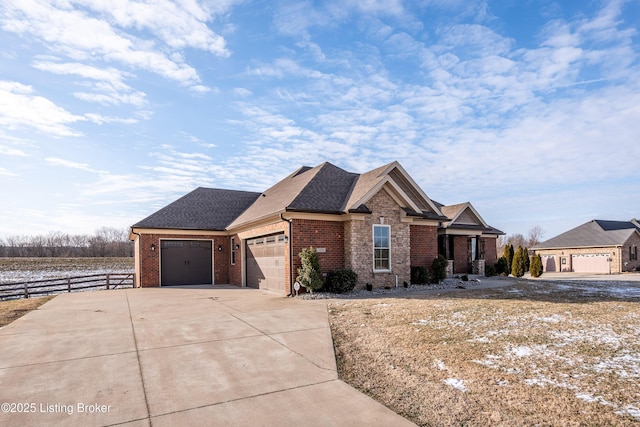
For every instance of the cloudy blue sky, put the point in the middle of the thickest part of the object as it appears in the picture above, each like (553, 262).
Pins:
(110, 109)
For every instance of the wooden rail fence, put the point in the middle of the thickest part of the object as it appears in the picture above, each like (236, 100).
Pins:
(66, 284)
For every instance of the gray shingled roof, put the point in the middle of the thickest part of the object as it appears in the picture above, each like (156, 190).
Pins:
(452, 211)
(595, 233)
(322, 189)
(201, 209)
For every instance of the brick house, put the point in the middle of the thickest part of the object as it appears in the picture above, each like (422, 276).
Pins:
(598, 246)
(379, 224)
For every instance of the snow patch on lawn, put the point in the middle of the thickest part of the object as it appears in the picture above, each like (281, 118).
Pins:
(455, 383)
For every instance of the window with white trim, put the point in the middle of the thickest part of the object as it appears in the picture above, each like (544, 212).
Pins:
(633, 253)
(381, 247)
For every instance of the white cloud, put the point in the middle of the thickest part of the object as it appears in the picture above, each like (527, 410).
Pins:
(100, 119)
(5, 172)
(107, 85)
(21, 108)
(7, 151)
(242, 92)
(72, 165)
(69, 28)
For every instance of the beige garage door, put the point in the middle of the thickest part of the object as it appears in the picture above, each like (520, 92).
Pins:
(590, 263)
(265, 262)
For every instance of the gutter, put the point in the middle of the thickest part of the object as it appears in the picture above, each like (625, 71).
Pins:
(290, 241)
(138, 255)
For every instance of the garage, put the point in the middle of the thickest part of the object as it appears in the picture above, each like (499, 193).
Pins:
(549, 263)
(186, 262)
(590, 263)
(266, 262)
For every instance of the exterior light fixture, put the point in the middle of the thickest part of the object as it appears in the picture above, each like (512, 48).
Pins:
(153, 247)
(237, 246)
(219, 248)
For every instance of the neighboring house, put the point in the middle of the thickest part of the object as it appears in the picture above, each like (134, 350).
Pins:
(379, 224)
(597, 246)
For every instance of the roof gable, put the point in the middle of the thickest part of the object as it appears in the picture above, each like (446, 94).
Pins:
(399, 185)
(594, 233)
(201, 209)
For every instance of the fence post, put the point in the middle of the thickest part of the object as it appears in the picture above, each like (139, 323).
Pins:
(133, 280)
(26, 291)
(107, 282)
(68, 284)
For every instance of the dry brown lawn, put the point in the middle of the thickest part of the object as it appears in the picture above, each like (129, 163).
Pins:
(534, 353)
(14, 309)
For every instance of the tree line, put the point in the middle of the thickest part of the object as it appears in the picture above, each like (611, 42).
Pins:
(105, 242)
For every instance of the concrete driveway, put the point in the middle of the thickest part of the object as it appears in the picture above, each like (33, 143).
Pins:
(175, 356)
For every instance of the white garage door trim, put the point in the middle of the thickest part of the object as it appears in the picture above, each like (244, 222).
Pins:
(590, 263)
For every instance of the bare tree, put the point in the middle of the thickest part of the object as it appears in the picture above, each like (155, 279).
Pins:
(535, 235)
(517, 240)
(111, 242)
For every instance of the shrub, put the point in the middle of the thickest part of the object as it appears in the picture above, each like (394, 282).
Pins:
(502, 266)
(309, 274)
(420, 275)
(508, 254)
(341, 281)
(527, 260)
(536, 266)
(518, 263)
(464, 278)
(490, 270)
(439, 269)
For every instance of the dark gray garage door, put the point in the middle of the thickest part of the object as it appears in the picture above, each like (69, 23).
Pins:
(186, 262)
(265, 262)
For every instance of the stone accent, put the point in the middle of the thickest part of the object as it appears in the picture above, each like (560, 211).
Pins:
(358, 243)
(478, 267)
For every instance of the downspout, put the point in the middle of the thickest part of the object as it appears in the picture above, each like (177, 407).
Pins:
(138, 255)
(290, 241)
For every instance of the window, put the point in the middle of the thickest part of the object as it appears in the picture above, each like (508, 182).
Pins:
(381, 248)
(633, 253)
(233, 251)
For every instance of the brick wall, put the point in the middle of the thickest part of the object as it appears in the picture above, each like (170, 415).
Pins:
(235, 270)
(323, 235)
(460, 255)
(359, 243)
(424, 245)
(490, 250)
(149, 261)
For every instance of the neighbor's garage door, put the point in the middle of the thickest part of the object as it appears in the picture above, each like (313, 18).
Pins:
(186, 262)
(265, 262)
(549, 263)
(590, 263)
